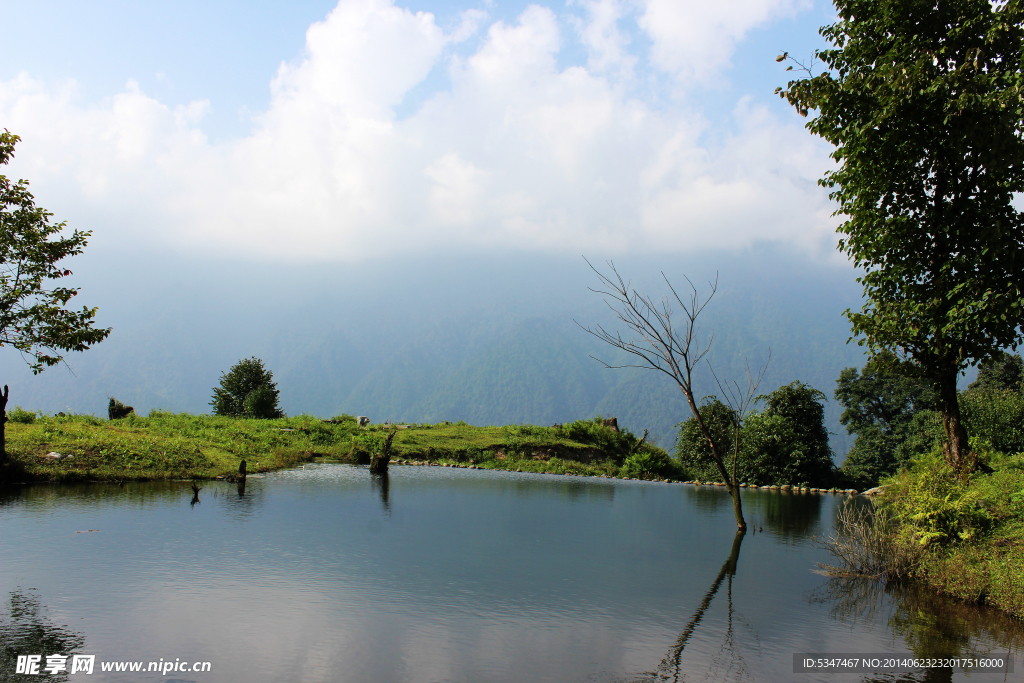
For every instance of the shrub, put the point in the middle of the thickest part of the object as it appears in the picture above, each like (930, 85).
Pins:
(864, 544)
(20, 416)
(322, 435)
(247, 390)
(116, 410)
(648, 463)
(617, 444)
(933, 505)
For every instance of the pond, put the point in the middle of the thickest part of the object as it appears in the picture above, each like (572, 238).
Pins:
(430, 574)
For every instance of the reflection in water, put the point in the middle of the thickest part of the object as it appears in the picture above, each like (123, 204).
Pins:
(380, 483)
(670, 668)
(932, 625)
(471, 576)
(25, 630)
(196, 488)
(242, 503)
(790, 515)
(711, 498)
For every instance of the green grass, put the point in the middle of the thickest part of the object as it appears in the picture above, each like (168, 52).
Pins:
(182, 446)
(972, 532)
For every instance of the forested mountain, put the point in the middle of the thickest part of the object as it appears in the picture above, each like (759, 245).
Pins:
(485, 340)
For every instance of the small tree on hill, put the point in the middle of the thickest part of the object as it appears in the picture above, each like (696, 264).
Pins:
(33, 317)
(247, 390)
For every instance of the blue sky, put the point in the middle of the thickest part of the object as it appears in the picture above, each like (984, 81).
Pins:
(332, 131)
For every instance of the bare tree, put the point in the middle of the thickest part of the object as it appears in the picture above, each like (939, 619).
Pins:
(665, 339)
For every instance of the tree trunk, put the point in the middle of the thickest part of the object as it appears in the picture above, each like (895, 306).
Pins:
(3, 425)
(730, 482)
(957, 448)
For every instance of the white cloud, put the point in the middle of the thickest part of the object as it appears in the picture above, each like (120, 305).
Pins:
(606, 43)
(513, 152)
(694, 39)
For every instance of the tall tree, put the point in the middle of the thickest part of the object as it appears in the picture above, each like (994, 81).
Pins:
(33, 317)
(880, 402)
(923, 101)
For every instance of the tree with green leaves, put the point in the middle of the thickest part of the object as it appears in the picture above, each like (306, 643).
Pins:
(880, 402)
(924, 102)
(693, 448)
(247, 390)
(787, 442)
(34, 319)
(1001, 372)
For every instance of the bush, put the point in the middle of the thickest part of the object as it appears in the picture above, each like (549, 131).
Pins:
(20, 416)
(934, 506)
(648, 464)
(247, 390)
(864, 543)
(117, 410)
(322, 435)
(617, 444)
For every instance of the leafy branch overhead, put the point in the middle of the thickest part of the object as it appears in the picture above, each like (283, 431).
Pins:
(33, 314)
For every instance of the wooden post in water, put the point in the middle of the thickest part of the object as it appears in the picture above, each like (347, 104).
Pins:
(3, 425)
(241, 470)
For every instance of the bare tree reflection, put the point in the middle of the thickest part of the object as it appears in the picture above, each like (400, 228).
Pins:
(25, 630)
(671, 667)
(196, 488)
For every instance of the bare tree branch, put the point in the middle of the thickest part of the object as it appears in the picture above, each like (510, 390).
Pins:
(665, 338)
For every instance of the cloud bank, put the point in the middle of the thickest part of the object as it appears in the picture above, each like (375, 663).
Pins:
(514, 151)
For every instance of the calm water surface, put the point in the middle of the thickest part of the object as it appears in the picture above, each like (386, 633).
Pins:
(435, 574)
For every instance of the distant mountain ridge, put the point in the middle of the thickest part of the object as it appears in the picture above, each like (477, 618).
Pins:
(485, 340)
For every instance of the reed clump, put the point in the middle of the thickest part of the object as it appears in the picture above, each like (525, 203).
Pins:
(866, 543)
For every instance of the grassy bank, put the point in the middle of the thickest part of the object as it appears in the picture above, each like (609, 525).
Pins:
(182, 446)
(964, 538)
